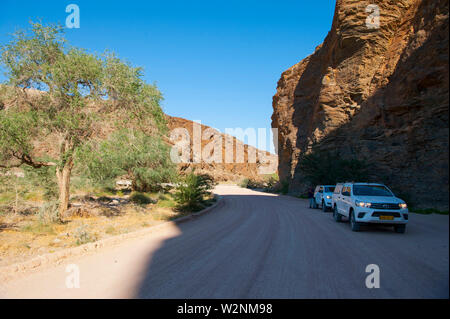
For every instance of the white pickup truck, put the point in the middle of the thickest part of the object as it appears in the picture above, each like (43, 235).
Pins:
(369, 203)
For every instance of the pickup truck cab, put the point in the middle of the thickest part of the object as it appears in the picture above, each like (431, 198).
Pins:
(323, 195)
(369, 203)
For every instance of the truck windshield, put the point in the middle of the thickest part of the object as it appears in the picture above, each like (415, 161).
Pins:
(371, 190)
(329, 189)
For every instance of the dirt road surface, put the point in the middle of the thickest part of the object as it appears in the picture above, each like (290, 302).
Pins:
(257, 245)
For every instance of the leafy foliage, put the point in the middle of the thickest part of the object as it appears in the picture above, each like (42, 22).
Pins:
(331, 168)
(271, 181)
(143, 158)
(251, 183)
(192, 189)
(44, 177)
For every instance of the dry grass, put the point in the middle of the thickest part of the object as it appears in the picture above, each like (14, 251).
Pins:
(23, 236)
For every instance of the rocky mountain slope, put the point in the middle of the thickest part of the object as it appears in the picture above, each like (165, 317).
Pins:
(378, 93)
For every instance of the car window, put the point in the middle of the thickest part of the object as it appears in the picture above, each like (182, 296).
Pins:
(371, 190)
(329, 189)
(337, 190)
(346, 191)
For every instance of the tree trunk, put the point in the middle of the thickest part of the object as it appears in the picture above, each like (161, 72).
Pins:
(63, 175)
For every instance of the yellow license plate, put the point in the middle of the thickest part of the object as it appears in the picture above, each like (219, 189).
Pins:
(386, 217)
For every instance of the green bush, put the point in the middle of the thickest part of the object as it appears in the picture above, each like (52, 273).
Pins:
(192, 189)
(320, 167)
(271, 182)
(244, 183)
(144, 158)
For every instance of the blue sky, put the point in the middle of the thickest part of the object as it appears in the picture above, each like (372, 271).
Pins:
(214, 61)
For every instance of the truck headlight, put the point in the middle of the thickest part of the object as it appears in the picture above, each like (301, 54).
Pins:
(403, 205)
(328, 196)
(362, 204)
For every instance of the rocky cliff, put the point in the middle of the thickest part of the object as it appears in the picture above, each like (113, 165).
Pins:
(374, 91)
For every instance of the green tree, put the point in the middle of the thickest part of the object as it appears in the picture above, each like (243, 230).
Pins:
(80, 90)
(145, 159)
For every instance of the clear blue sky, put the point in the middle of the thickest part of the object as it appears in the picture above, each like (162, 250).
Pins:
(214, 61)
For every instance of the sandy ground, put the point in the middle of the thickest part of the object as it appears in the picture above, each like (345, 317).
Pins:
(258, 245)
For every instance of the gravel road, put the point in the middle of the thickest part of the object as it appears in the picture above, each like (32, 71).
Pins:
(257, 245)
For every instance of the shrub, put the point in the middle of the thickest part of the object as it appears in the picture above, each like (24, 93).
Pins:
(43, 177)
(284, 189)
(83, 236)
(271, 182)
(144, 158)
(319, 167)
(49, 213)
(244, 183)
(192, 189)
(251, 183)
(166, 201)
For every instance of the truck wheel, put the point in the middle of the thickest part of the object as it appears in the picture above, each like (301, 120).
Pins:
(353, 223)
(400, 229)
(336, 215)
(324, 207)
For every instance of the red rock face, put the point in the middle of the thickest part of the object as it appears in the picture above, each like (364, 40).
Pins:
(375, 93)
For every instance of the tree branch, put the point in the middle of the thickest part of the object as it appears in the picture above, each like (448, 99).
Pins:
(26, 159)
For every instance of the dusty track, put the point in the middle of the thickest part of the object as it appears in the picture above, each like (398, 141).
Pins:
(259, 245)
